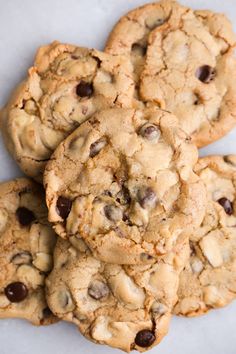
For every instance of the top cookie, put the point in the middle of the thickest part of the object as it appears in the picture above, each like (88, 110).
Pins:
(183, 61)
(209, 279)
(64, 87)
(26, 245)
(123, 181)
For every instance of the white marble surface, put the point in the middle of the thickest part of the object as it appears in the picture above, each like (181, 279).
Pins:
(24, 25)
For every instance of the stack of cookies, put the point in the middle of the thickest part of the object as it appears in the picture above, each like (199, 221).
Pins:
(123, 225)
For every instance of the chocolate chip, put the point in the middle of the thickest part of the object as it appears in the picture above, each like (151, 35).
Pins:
(123, 197)
(145, 338)
(150, 132)
(98, 290)
(16, 292)
(63, 207)
(113, 213)
(84, 89)
(127, 220)
(99, 62)
(25, 216)
(97, 146)
(147, 198)
(227, 205)
(205, 74)
(139, 49)
(47, 312)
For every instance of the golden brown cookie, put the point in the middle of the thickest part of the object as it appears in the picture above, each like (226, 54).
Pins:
(209, 278)
(126, 307)
(66, 85)
(183, 61)
(124, 183)
(26, 245)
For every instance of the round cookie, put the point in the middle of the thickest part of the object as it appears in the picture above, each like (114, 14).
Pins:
(209, 278)
(26, 245)
(126, 307)
(123, 182)
(184, 62)
(130, 35)
(66, 85)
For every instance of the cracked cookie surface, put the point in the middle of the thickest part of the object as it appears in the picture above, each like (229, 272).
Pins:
(126, 307)
(209, 278)
(26, 246)
(183, 61)
(123, 182)
(66, 85)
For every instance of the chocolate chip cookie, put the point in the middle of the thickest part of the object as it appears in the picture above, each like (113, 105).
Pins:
(66, 85)
(123, 182)
(183, 61)
(209, 279)
(26, 246)
(126, 307)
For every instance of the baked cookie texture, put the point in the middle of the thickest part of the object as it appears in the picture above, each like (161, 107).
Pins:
(183, 61)
(209, 278)
(66, 85)
(123, 182)
(126, 307)
(26, 245)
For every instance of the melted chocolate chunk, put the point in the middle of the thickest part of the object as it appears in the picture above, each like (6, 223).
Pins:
(84, 89)
(205, 74)
(145, 338)
(97, 146)
(63, 207)
(16, 292)
(147, 198)
(227, 205)
(98, 290)
(25, 216)
(150, 132)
